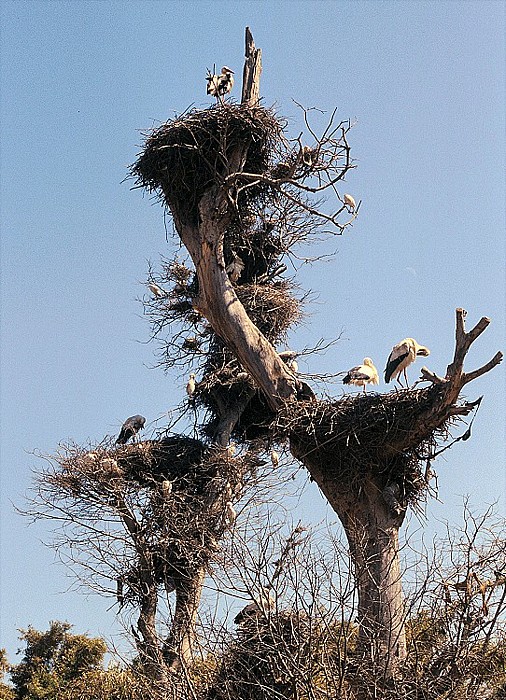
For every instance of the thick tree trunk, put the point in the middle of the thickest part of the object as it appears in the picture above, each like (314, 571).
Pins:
(373, 536)
(179, 646)
(218, 301)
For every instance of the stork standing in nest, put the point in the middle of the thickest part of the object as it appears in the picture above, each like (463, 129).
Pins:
(361, 375)
(220, 85)
(403, 354)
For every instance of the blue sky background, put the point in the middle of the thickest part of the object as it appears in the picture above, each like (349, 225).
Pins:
(81, 80)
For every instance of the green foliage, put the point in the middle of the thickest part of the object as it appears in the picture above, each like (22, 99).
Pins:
(53, 660)
(6, 693)
(115, 683)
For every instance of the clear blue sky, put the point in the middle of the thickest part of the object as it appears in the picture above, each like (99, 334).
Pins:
(80, 80)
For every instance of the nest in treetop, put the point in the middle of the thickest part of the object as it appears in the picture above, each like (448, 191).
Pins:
(346, 439)
(183, 158)
(182, 523)
(272, 308)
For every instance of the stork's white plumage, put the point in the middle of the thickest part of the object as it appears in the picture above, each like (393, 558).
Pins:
(166, 487)
(274, 459)
(190, 387)
(222, 84)
(403, 354)
(349, 201)
(262, 605)
(361, 375)
(230, 513)
(157, 291)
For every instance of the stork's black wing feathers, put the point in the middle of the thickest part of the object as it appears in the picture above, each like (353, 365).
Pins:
(130, 428)
(393, 364)
(354, 373)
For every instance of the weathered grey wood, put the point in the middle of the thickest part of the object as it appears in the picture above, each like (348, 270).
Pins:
(252, 71)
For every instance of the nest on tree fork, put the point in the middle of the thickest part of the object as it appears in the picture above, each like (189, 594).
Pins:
(183, 158)
(180, 489)
(350, 440)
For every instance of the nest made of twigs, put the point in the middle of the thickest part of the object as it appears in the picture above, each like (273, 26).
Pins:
(183, 158)
(346, 439)
(273, 654)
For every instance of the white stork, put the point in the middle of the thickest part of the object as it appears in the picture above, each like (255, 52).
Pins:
(262, 605)
(191, 386)
(274, 459)
(361, 375)
(403, 354)
(349, 202)
(230, 514)
(156, 291)
(220, 85)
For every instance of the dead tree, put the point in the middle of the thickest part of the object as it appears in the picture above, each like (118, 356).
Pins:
(237, 187)
(142, 522)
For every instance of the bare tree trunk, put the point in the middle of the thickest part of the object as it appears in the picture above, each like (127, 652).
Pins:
(251, 73)
(179, 646)
(149, 646)
(218, 301)
(373, 536)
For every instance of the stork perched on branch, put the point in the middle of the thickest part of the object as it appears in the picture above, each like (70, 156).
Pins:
(220, 85)
(361, 375)
(403, 354)
(130, 428)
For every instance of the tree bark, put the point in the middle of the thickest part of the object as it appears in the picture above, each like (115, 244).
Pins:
(218, 302)
(179, 647)
(252, 72)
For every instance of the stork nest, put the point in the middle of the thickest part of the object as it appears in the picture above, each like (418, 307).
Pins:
(271, 307)
(274, 657)
(181, 487)
(185, 157)
(346, 440)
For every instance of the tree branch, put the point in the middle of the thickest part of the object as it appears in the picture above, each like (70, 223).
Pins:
(469, 376)
(251, 73)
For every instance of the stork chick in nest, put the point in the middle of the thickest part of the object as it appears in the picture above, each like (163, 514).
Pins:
(403, 354)
(361, 375)
(220, 85)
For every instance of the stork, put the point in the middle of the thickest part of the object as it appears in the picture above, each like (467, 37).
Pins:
(220, 85)
(130, 428)
(235, 268)
(349, 202)
(403, 354)
(361, 375)
(230, 514)
(191, 386)
(156, 291)
(274, 459)
(288, 357)
(262, 605)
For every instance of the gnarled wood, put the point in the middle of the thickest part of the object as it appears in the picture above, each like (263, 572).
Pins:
(218, 302)
(252, 71)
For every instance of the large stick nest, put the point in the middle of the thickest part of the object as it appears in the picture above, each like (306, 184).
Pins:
(354, 438)
(183, 158)
(179, 490)
(274, 657)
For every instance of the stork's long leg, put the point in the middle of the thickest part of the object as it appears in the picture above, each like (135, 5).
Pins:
(405, 377)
